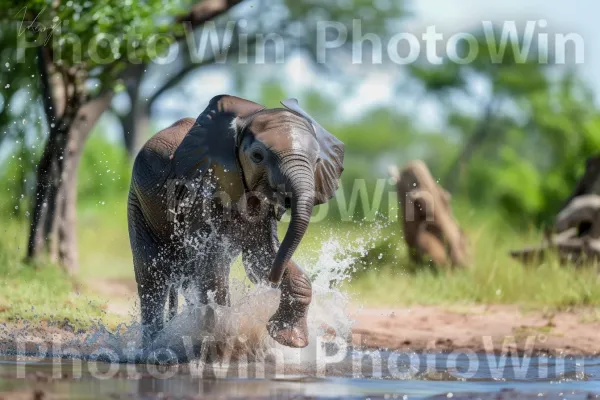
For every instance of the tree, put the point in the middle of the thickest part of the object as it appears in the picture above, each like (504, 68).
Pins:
(542, 159)
(79, 63)
(510, 79)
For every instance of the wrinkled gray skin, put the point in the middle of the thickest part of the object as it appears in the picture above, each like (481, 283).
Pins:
(203, 192)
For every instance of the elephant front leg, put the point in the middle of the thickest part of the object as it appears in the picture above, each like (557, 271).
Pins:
(288, 325)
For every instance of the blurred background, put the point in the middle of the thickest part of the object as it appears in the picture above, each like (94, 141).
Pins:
(508, 140)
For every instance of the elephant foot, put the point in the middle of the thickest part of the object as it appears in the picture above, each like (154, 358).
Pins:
(288, 325)
(288, 330)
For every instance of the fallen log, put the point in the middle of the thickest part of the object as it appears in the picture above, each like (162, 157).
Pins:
(430, 230)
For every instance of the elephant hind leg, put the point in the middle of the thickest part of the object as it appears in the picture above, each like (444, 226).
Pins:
(153, 296)
(151, 272)
(209, 277)
(214, 284)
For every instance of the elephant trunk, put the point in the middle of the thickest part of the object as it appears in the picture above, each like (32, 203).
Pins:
(299, 178)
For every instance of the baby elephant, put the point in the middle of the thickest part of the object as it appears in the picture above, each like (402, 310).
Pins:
(203, 191)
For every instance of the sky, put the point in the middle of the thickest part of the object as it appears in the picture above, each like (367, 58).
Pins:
(448, 17)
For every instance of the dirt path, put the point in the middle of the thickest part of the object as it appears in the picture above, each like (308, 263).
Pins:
(479, 328)
(421, 328)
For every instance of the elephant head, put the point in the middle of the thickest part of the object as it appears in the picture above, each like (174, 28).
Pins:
(281, 152)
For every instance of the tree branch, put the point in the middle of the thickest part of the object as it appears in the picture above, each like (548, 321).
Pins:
(176, 79)
(88, 115)
(182, 73)
(207, 10)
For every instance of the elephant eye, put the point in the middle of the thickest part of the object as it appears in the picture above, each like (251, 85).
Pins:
(257, 157)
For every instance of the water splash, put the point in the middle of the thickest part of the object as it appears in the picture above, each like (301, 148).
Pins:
(240, 330)
(236, 333)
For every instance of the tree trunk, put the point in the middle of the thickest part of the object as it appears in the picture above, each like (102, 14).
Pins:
(53, 225)
(136, 126)
(136, 123)
(430, 230)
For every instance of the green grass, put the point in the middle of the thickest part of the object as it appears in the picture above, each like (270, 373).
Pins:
(493, 277)
(43, 292)
(104, 250)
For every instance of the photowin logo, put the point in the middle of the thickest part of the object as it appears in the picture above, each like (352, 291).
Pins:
(460, 48)
(232, 42)
(505, 358)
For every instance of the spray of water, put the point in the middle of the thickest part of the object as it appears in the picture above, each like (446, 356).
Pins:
(238, 332)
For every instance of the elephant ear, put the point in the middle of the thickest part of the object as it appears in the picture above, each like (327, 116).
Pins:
(331, 163)
(211, 142)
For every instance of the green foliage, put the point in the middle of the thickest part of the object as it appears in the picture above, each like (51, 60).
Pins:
(533, 151)
(374, 18)
(20, 110)
(537, 164)
(377, 131)
(524, 147)
(89, 34)
(104, 174)
(105, 171)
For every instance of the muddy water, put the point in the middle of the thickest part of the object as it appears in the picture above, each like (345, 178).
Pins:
(429, 376)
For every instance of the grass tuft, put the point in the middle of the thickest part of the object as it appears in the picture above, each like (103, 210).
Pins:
(43, 292)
